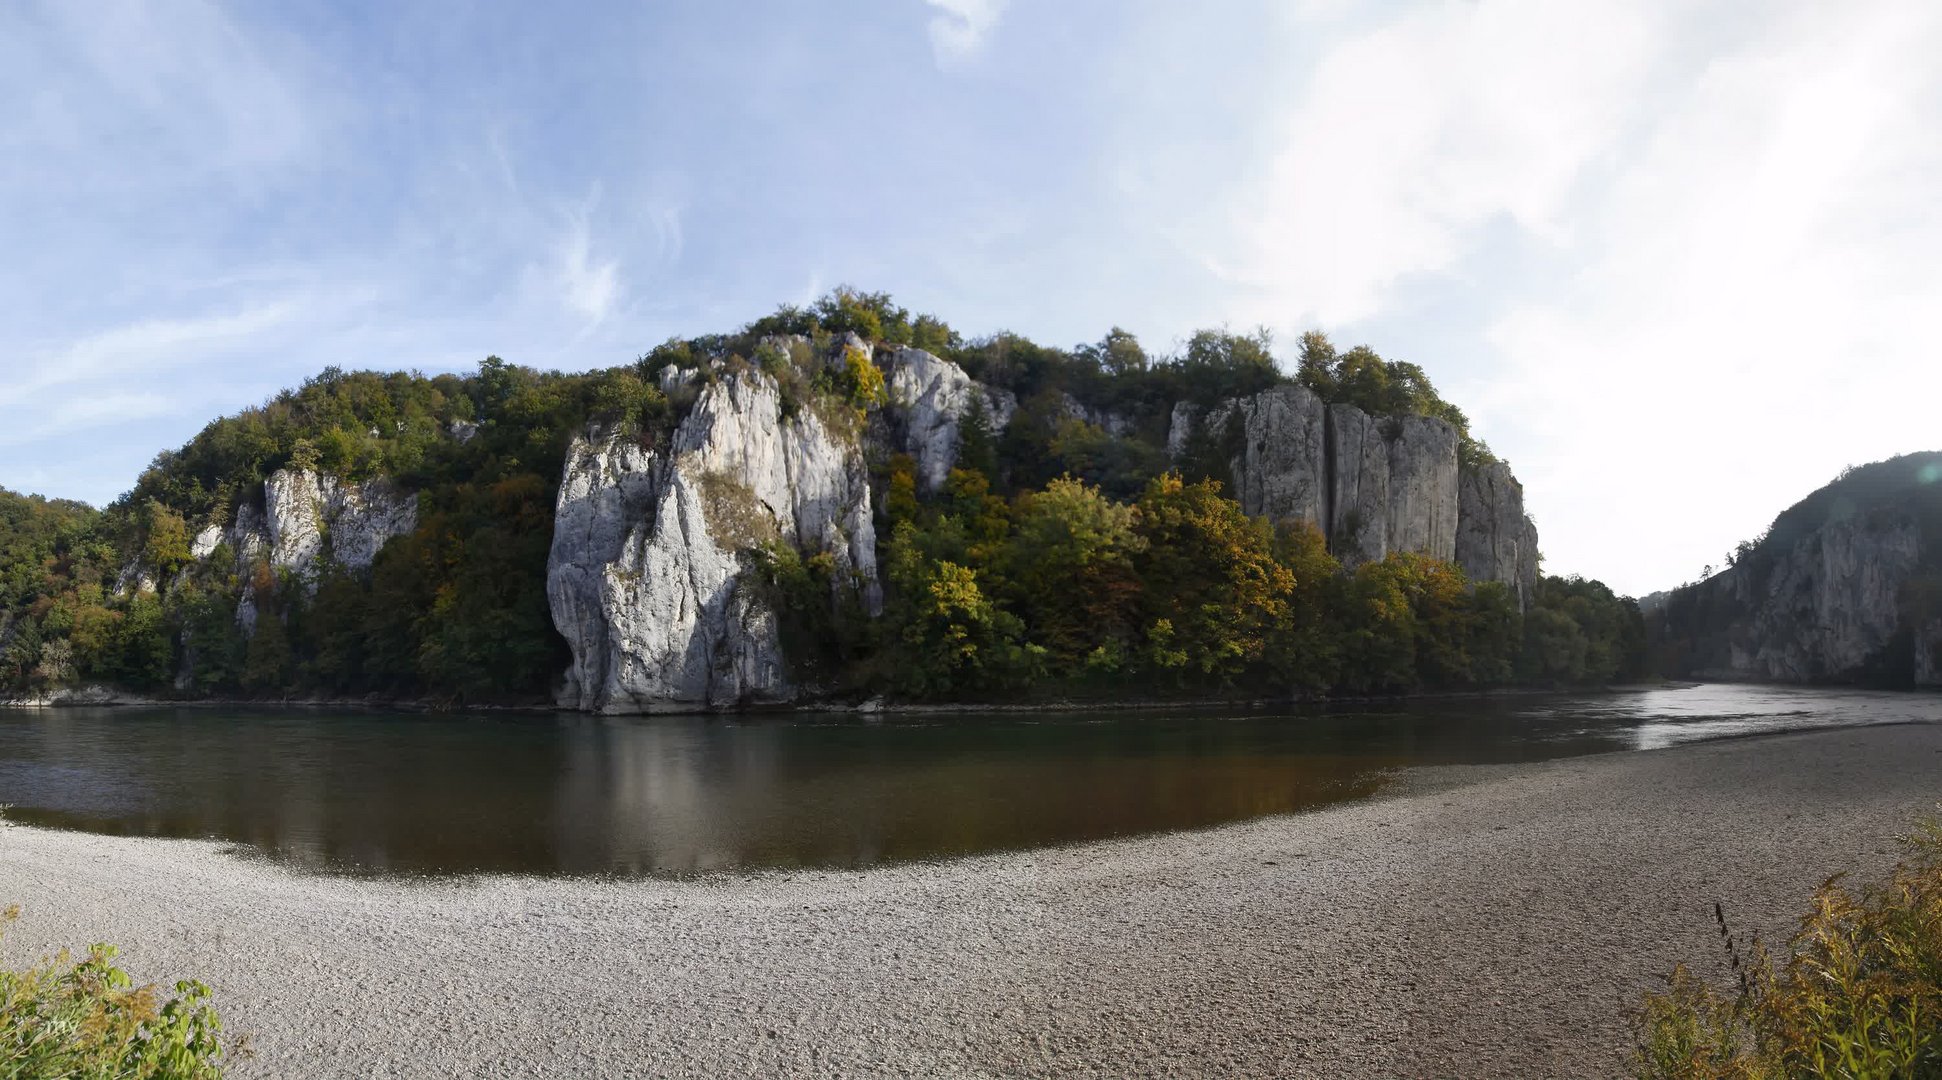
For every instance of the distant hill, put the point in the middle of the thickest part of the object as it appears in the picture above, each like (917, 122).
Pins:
(1845, 586)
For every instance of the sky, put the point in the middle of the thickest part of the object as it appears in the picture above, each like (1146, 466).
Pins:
(1680, 261)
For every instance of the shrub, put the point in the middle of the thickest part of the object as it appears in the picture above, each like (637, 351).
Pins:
(1860, 996)
(86, 1019)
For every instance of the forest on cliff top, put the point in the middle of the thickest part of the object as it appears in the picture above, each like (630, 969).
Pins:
(1059, 559)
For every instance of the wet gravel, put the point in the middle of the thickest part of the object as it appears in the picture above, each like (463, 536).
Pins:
(1471, 922)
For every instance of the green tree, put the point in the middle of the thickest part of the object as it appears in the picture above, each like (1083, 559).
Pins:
(166, 542)
(1306, 649)
(1210, 576)
(1069, 566)
(952, 637)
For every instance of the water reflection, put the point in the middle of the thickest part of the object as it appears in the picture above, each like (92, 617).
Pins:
(375, 792)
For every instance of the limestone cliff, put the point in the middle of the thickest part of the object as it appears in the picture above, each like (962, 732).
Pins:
(310, 517)
(929, 397)
(1846, 587)
(649, 577)
(1496, 540)
(1823, 609)
(1370, 484)
(1394, 484)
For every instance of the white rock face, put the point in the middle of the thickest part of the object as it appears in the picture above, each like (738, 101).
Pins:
(1112, 423)
(134, 579)
(928, 399)
(1495, 538)
(205, 542)
(1395, 485)
(1281, 472)
(646, 579)
(309, 514)
(306, 516)
(1370, 484)
(1180, 428)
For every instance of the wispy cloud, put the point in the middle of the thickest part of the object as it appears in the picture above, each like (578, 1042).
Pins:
(146, 348)
(960, 27)
(1409, 137)
(588, 286)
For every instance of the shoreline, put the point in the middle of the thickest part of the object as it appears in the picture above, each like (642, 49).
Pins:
(1473, 921)
(104, 698)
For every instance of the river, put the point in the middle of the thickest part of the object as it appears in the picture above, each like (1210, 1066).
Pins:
(367, 792)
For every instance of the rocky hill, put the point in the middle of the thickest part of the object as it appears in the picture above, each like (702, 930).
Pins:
(707, 528)
(1845, 587)
(1370, 484)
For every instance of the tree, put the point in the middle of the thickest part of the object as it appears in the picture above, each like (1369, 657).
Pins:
(1119, 353)
(1306, 650)
(1210, 577)
(977, 446)
(951, 636)
(1317, 365)
(1070, 567)
(166, 542)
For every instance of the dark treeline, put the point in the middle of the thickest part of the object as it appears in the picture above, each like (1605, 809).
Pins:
(1060, 558)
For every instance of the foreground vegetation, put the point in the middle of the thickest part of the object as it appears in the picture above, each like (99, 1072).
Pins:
(1060, 559)
(68, 1019)
(1859, 995)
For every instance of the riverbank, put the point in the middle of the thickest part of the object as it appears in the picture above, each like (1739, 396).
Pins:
(108, 697)
(1479, 921)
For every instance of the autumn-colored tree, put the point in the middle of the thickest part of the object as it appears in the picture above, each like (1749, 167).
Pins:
(951, 636)
(900, 492)
(1306, 651)
(1210, 575)
(1070, 567)
(165, 544)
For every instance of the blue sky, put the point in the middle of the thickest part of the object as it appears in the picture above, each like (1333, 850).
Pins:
(1678, 260)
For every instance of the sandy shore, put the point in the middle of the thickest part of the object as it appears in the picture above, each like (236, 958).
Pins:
(1483, 922)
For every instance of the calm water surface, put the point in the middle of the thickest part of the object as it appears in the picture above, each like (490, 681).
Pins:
(572, 794)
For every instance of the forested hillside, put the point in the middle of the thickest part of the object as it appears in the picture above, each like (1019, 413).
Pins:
(1066, 551)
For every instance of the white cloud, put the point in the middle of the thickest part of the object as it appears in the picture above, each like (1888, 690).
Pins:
(1408, 137)
(1733, 223)
(588, 286)
(182, 84)
(1756, 308)
(959, 28)
(106, 357)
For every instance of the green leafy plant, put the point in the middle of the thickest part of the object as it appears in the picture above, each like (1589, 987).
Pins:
(87, 1020)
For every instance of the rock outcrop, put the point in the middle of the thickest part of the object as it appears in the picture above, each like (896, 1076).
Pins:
(309, 516)
(1845, 587)
(1370, 484)
(1280, 465)
(1495, 539)
(1826, 608)
(1394, 484)
(649, 577)
(928, 400)
(1928, 654)
(1118, 425)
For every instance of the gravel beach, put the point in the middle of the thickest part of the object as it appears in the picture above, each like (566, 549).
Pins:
(1471, 922)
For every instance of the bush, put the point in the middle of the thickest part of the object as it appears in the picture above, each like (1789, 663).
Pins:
(86, 1019)
(1861, 995)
